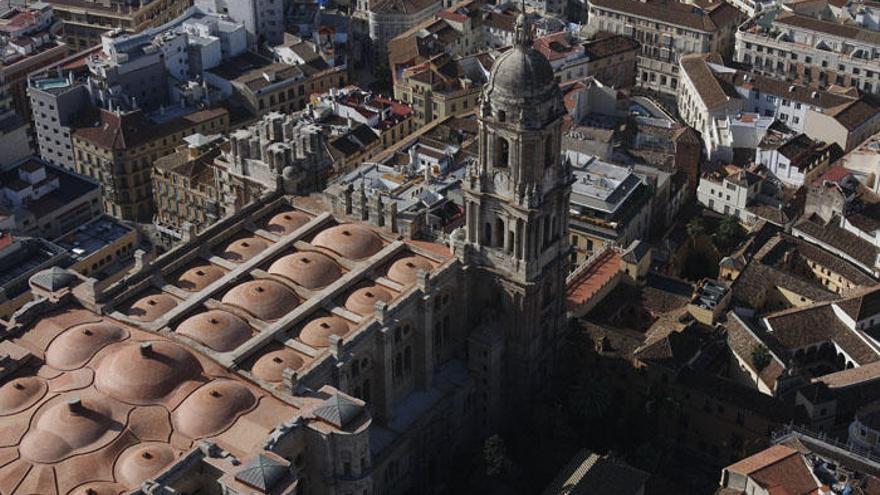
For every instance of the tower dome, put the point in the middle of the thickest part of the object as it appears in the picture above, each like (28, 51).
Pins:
(521, 74)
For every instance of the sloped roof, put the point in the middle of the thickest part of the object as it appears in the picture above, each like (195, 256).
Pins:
(53, 279)
(339, 410)
(262, 472)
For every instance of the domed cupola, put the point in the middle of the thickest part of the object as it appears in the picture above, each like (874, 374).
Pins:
(522, 86)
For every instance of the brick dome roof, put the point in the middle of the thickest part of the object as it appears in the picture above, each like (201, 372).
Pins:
(286, 222)
(350, 240)
(317, 332)
(244, 249)
(405, 270)
(152, 307)
(311, 270)
(220, 330)
(199, 277)
(363, 301)
(265, 299)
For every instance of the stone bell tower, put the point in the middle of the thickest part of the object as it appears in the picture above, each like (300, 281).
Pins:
(516, 198)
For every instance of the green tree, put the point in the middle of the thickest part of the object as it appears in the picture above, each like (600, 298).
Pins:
(760, 357)
(695, 227)
(729, 232)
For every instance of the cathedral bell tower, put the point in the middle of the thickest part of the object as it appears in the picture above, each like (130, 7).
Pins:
(516, 198)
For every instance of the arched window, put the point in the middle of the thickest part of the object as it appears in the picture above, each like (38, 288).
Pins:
(548, 152)
(502, 154)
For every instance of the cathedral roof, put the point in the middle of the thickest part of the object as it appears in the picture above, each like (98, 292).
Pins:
(521, 72)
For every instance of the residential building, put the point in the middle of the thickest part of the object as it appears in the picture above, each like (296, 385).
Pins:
(186, 189)
(610, 204)
(42, 200)
(666, 30)
(263, 19)
(413, 188)
(811, 50)
(28, 42)
(611, 59)
(260, 86)
(796, 160)
(801, 460)
(442, 87)
(120, 149)
(85, 22)
(712, 94)
(105, 249)
(286, 379)
(737, 192)
(864, 162)
(392, 120)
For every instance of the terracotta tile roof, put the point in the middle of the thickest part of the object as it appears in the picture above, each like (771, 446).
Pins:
(608, 45)
(846, 31)
(708, 19)
(854, 114)
(781, 470)
(742, 340)
(402, 6)
(713, 91)
(862, 306)
(799, 328)
(838, 238)
(126, 131)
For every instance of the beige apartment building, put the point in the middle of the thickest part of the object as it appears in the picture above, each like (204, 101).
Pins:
(120, 151)
(666, 31)
(85, 22)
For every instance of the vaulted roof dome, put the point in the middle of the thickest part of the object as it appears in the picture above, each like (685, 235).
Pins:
(151, 307)
(220, 330)
(317, 332)
(75, 346)
(244, 249)
(308, 269)
(21, 393)
(286, 222)
(199, 277)
(350, 240)
(405, 270)
(143, 372)
(65, 427)
(143, 461)
(212, 408)
(363, 301)
(270, 366)
(265, 299)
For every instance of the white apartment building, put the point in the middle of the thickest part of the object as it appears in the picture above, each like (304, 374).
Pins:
(712, 93)
(810, 50)
(666, 31)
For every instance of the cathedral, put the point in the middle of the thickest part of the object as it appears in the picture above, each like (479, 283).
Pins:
(286, 350)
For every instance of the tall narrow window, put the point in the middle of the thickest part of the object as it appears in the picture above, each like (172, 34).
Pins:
(503, 153)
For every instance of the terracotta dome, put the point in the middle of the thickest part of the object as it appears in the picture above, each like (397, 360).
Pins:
(270, 367)
(199, 277)
(212, 408)
(21, 393)
(97, 489)
(405, 270)
(75, 346)
(350, 240)
(363, 301)
(151, 307)
(317, 332)
(144, 372)
(220, 330)
(66, 427)
(308, 269)
(244, 249)
(141, 462)
(286, 222)
(265, 299)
